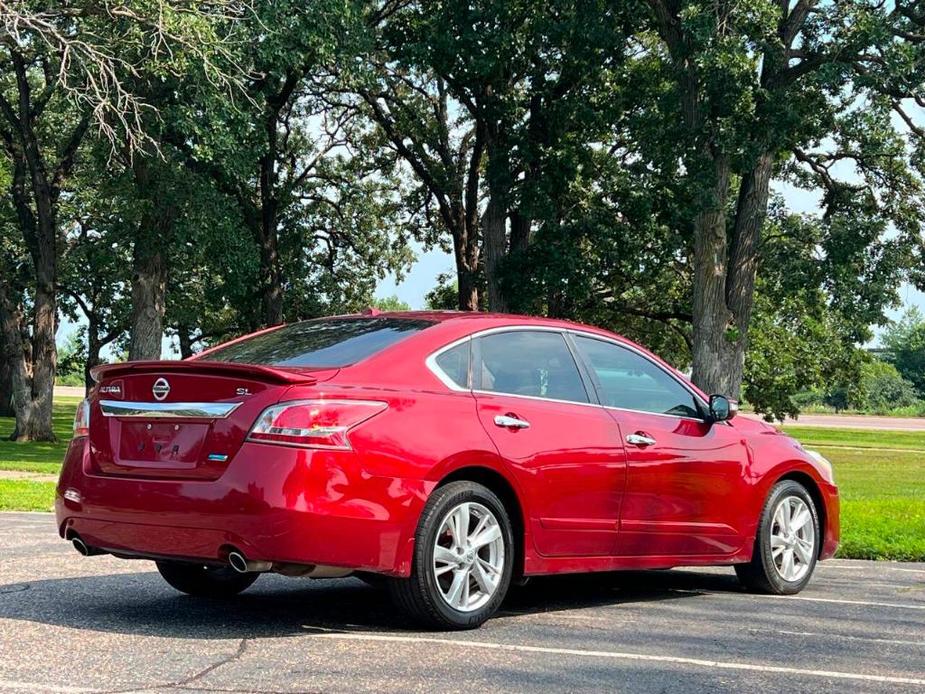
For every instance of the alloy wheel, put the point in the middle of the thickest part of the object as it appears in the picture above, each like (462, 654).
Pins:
(793, 538)
(468, 556)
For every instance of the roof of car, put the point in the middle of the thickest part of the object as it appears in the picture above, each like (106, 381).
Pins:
(444, 316)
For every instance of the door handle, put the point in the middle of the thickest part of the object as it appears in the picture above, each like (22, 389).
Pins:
(639, 439)
(509, 422)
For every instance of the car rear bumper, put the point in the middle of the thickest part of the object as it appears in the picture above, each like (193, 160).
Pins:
(272, 503)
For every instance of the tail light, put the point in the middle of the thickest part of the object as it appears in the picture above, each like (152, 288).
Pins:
(82, 419)
(313, 423)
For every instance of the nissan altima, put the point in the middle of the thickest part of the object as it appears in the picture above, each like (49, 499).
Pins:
(445, 455)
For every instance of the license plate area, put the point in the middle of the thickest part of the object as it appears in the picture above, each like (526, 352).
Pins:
(168, 443)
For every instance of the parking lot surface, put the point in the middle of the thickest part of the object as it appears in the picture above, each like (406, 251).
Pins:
(99, 624)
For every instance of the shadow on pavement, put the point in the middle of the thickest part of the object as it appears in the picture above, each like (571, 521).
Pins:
(141, 603)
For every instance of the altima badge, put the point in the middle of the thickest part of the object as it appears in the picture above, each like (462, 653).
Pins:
(161, 389)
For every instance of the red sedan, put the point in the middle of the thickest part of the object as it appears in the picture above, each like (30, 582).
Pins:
(450, 453)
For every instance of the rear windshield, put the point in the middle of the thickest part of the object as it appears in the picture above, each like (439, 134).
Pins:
(328, 342)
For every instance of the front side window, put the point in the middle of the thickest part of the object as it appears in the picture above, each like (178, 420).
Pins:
(629, 381)
(324, 343)
(525, 362)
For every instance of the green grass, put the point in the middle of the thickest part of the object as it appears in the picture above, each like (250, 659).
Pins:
(39, 457)
(883, 502)
(26, 495)
(882, 492)
(860, 438)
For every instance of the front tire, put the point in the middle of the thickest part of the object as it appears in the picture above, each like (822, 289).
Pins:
(463, 559)
(787, 544)
(205, 581)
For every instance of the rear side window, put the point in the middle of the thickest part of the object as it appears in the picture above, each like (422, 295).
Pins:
(454, 363)
(328, 342)
(535, 363)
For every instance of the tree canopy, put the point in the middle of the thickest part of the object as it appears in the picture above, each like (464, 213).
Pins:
(200, 171)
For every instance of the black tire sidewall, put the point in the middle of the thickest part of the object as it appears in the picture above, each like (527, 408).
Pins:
(195, 579)
(780, 491)
(446, 499)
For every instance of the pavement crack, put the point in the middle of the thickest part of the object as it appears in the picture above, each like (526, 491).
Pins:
(179, 684)
(242, 647)
(14, 589)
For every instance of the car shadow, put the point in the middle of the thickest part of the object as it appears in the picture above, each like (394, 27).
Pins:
(142, 604)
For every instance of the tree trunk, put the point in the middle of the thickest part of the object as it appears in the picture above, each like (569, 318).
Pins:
(149, 286)
(751, 211)
(93, 353)
(467, 289)
(44, 363)
(724, 278)
(466, 253)
(715, 346)
(6, 382)
(34, 365)
(27, 408)
(186, 342)
(271, 275)
(149, 266)
(494, 240)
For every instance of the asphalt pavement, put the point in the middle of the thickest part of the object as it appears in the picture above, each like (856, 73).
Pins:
(99, 624)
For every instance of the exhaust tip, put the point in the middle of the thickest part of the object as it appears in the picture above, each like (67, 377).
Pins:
(80, 546)
(238, 562)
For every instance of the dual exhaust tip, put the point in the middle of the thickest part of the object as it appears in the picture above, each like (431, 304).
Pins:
(84, 548)
(239, 563)
(243, 565)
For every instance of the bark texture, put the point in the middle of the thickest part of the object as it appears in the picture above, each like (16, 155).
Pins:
(494, 234)
(149, 285)
(150, 265)
(6, 381)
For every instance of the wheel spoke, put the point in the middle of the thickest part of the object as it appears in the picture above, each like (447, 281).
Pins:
(486, 584)
(486, 537)
(461, 525)
(804, 550)
(445, 555)
(486, 565)
(454, 594)
(787, 515)
(470, 569)
(801, 518)
(786, 567)
(464, 598)
(779, 518)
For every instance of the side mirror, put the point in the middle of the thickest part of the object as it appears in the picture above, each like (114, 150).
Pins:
(722, 408)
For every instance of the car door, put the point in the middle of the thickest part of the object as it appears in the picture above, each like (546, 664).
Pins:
(684, 474)
(566, 452)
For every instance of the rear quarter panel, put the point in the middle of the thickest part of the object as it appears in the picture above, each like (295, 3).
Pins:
(423, 435)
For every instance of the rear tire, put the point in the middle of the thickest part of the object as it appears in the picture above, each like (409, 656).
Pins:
(205, 581)
(458, 580)
(787, 543)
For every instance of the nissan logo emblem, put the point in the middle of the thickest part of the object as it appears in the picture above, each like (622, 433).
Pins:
(161, 389)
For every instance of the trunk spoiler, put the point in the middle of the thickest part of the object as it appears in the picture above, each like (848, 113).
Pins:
(268, 374)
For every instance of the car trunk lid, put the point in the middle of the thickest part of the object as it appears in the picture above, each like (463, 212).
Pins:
(180, 420)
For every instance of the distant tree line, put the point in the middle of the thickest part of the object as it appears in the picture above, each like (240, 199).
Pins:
(202, 170)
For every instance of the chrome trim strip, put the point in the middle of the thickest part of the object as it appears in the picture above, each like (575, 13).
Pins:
(176, 410)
